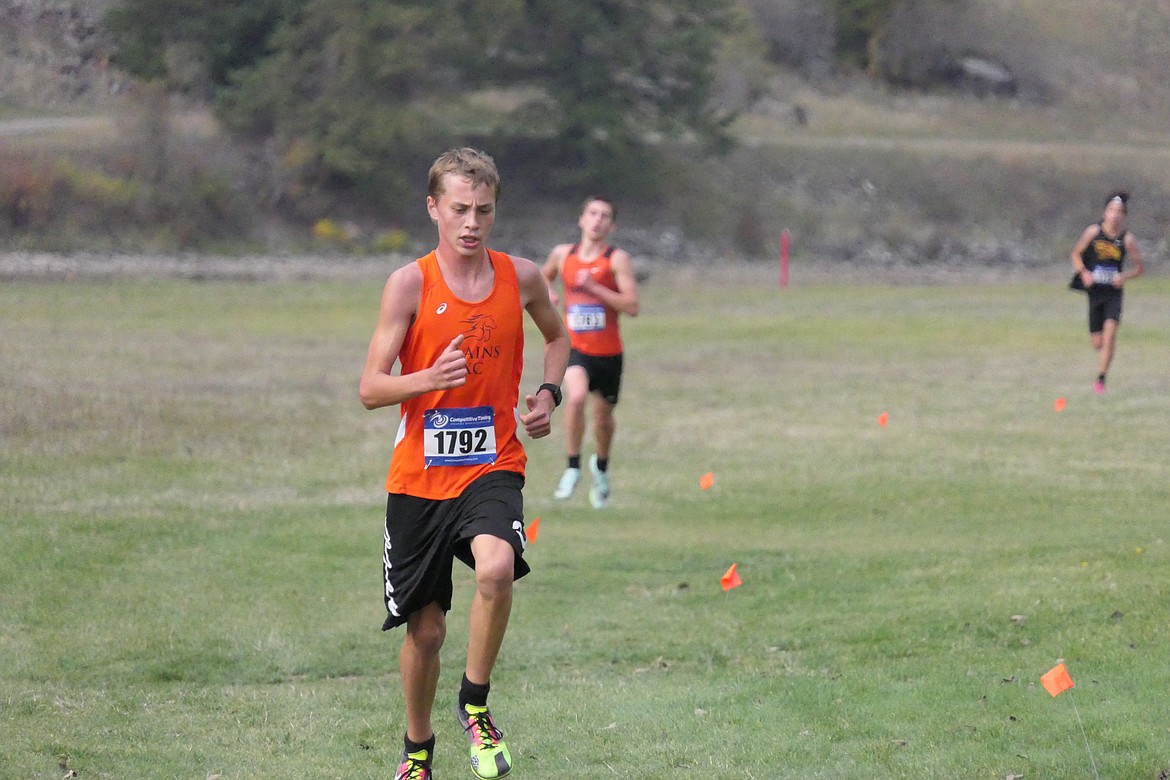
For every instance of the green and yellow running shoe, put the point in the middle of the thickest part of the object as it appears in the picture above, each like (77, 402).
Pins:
(489, 755)
(414, 766)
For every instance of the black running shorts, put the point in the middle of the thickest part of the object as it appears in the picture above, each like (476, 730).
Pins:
(424, 536)
(1104, 305)
(605, 373)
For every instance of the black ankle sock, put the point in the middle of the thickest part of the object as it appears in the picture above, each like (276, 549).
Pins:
(473, 693)
(1101, 378)
(414, 747)
(574, 461)
(602, 464)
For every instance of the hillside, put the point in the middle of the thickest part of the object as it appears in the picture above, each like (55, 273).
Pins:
(1110, 53)
(53, 58)
(898, 169)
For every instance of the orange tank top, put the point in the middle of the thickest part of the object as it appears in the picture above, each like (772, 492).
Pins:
(448, 438)
(593, 326)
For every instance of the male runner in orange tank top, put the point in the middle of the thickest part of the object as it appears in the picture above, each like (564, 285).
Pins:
(453, 322)
(599, 285)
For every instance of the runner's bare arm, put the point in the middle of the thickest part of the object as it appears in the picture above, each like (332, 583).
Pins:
(535, 299)
(627, 282)
(625, 298)
(552, 269)
(1133, 254)
(1076, 256)
(379, 385)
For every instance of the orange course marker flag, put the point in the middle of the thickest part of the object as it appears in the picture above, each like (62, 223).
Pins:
(706, 481)
(1059, 404)
(1056, 680)
(730, 578)
(883, 418)
(533, 530)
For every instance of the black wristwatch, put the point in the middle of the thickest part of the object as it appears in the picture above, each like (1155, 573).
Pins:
(554, 389)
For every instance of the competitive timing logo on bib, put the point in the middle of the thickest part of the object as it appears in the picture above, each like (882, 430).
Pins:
(460, 418)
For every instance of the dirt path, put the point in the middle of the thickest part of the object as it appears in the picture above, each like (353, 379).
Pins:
(969, 147)
(42, 125)
(202, 123)
(108, 265)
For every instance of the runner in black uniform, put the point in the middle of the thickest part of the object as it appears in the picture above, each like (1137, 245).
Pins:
(1099, 259)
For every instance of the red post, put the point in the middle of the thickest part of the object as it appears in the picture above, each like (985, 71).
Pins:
(785, 240)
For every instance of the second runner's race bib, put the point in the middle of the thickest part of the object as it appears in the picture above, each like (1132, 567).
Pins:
(586, 317)
(1104, 274)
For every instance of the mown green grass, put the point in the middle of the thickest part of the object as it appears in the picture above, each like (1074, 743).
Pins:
(190, 503)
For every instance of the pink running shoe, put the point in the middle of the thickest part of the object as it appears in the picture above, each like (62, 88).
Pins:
(414, 766)
(1099, 387)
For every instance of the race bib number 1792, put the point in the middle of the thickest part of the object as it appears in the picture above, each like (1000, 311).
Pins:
(459, 437)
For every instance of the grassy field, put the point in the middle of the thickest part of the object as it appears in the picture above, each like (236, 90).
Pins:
(190, 509)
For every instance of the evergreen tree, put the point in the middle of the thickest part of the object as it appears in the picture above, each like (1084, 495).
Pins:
(193, 44)
(610, 78)
(356, 93)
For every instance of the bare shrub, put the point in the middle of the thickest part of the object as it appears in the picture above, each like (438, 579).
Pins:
(149, 187)
(145, 125)
(26, 194)
(797, 33)
(927, 44)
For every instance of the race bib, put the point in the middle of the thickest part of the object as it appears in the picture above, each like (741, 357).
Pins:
(586, 317)
(459, 437)
(1104, 274)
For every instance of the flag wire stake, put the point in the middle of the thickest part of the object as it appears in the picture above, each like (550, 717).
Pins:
(1084, 736)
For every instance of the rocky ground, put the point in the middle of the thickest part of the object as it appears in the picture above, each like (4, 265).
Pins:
(53, 55)
(44, 266)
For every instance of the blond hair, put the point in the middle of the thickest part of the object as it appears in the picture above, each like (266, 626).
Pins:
(475, 166)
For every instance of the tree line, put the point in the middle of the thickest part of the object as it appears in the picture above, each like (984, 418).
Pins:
(354, 95)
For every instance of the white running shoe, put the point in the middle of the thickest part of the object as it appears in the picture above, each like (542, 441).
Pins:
(599, 493)
(567, 484)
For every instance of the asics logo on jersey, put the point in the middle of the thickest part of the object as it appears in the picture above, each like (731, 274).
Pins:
(442, 308)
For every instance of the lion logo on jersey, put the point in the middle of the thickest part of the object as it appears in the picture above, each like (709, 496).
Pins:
(479, 326)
